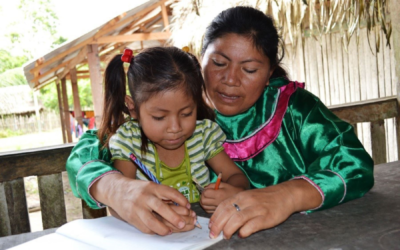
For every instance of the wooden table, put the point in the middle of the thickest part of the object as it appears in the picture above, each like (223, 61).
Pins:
(372, 222)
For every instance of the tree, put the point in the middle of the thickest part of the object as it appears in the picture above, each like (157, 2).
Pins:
(28, 34)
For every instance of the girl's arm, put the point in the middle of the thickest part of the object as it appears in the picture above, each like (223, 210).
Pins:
(127, 168)
(233, 182)
(231, 174)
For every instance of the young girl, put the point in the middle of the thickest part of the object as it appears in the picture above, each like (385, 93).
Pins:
(173, 135)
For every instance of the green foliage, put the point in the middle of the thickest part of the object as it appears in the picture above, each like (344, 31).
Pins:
(10, 62)
(12, 77)
(58, 41)
(48, 95)
(41, 15)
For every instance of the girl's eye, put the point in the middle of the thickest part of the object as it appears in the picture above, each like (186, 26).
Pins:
(187, 114)
(250, 71)
(158, 118)
(218, 64)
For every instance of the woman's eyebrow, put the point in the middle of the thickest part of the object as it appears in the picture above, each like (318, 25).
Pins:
(244, 61)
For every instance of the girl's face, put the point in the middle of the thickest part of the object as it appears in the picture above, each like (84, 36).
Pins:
(235, 73)
(168, 118)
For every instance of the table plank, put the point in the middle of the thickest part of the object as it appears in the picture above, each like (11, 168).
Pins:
(371, 222)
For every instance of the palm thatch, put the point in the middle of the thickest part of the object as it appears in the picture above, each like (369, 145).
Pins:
(294, 18)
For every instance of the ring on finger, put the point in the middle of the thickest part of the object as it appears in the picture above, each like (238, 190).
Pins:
(236, 206)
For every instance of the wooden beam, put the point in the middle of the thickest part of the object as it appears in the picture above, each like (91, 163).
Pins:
(395, 17)
(96, 81)
(15, 200)
(36, 79)
(165, 16)
(378, 138)
(367, 111)
(75, 94)
(84, 76)
(72, 63)
(36, 161)
(52, 202)
(66, 110)
(134, 37)
(58, 86)
(100, 33)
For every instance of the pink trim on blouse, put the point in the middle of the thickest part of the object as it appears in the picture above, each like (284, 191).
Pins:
(242, 150)
(344, 184)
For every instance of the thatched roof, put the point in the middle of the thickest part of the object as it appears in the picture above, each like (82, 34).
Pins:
(17, 100)
(294, 18)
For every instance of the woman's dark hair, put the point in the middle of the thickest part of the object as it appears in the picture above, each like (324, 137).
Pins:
(252, 23)
(152, 71)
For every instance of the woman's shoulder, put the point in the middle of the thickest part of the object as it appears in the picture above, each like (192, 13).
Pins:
(303, 99)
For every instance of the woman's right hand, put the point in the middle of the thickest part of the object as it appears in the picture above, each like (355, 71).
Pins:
(188, 215)
(140, 203)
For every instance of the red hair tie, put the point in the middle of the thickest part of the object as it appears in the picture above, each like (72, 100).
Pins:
(127, 56)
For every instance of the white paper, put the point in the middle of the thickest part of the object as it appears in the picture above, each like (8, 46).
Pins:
(53, 241)
(111, 233)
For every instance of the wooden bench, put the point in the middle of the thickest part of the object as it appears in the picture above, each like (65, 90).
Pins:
(374, 111)
(47, 164)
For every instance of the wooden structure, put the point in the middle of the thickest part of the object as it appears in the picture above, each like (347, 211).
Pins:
(144, 26)
(47, 164)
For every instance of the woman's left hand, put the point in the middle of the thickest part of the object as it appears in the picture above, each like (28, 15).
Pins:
(210, 198)
(259, 209)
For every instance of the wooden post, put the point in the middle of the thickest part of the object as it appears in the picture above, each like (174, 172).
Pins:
(394, 8)
(96, 81)
(66, 109)
(75, 94)
(58, 86)
(165, 16)
(378, 139)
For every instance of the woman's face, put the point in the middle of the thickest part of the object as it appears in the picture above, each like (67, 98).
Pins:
(235, 73)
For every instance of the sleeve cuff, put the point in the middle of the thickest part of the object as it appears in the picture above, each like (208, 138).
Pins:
(100, 205)
(329, 184)
(87, 175)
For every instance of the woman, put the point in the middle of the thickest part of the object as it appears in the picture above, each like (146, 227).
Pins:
(297, 155)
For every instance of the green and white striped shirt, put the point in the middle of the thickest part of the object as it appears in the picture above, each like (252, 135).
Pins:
(205, 143)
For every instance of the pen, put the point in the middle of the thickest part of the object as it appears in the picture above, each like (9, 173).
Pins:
(152, 177)
(218, 181)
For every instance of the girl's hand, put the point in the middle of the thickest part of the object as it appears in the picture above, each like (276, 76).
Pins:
(137, 202)
(262, 208)
(210, 198)
(188, 215)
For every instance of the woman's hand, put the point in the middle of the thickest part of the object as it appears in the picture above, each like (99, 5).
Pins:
(210, 198)
(141, 204)
(262, 208)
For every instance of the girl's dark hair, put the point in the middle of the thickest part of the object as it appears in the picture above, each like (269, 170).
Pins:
(252, 23)
(152, 71)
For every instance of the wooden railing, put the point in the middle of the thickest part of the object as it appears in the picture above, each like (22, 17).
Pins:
(373, 111)
(48, 163)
